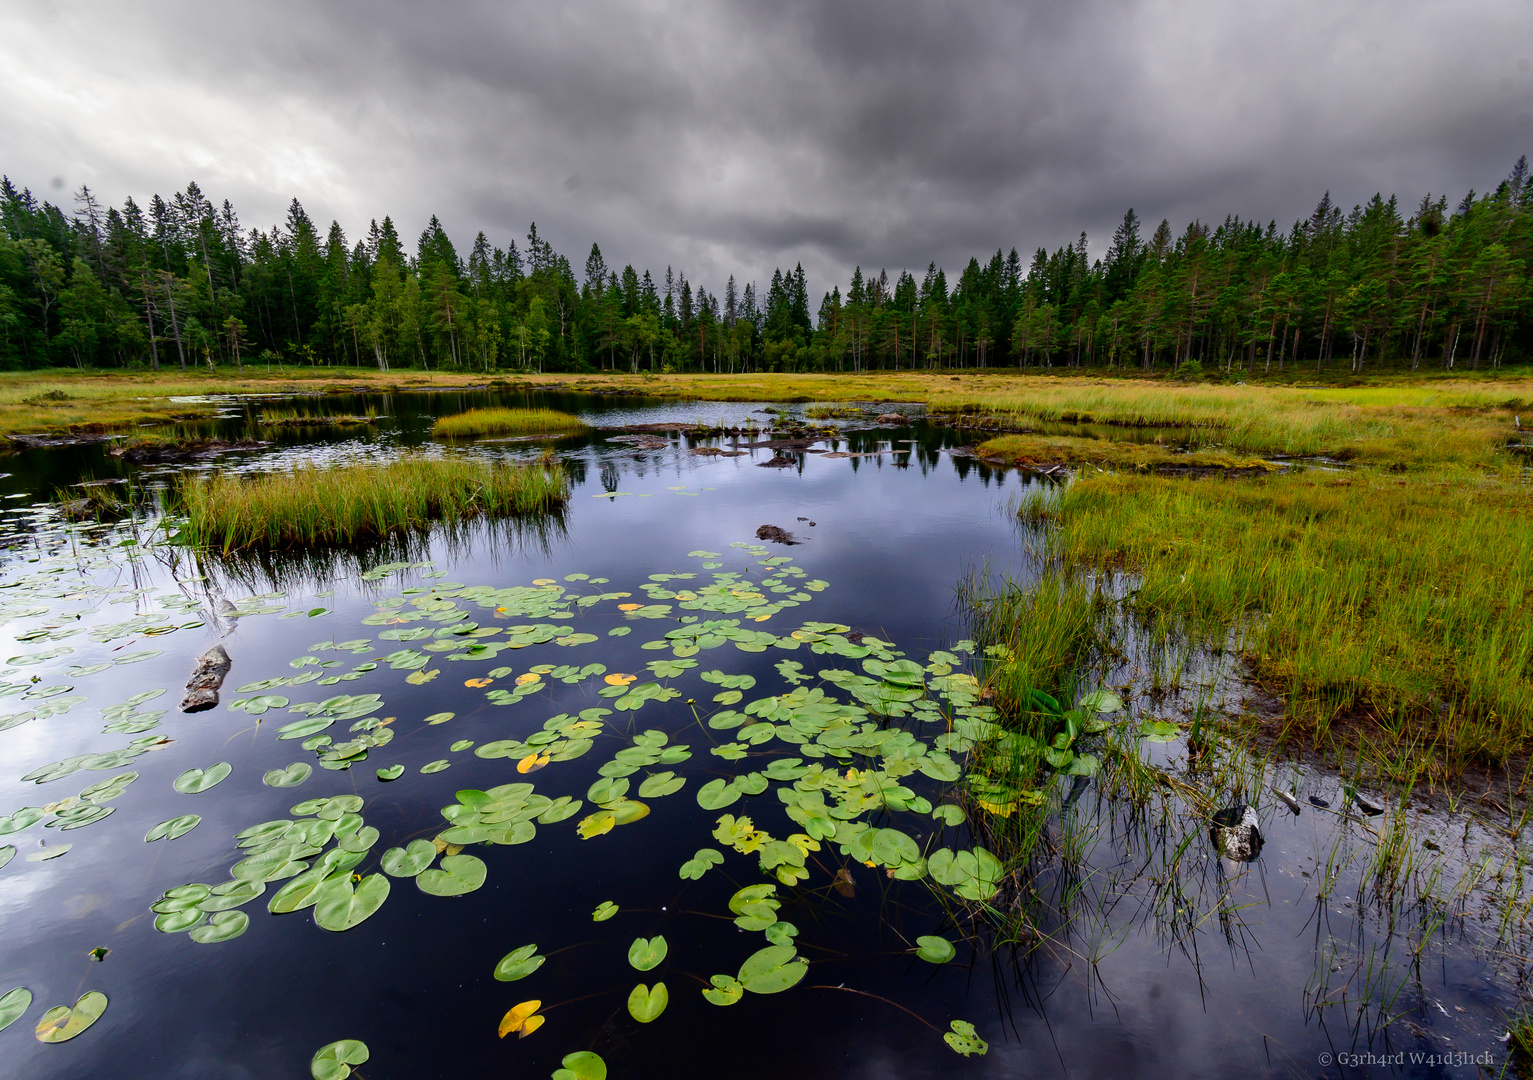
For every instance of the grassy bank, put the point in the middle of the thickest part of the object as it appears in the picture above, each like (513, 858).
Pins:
(1035, 451)
(355, 502)
(477, 422)
(1407, 603)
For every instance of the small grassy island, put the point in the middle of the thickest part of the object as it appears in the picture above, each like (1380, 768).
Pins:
(530, 422)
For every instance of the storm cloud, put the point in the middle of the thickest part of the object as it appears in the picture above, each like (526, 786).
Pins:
(735, 137)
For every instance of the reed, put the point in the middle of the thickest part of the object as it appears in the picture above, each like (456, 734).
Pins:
(311, 505)
(476, 422)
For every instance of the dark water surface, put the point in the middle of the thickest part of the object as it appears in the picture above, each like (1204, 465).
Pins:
(1236, 975)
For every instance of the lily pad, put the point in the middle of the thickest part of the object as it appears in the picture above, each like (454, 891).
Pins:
(647, 1003)
(964, 1039)
(435, 766)
(223, 926)
(698, 865)
(63, 1022)
(661, 784)
(935, 950)
(582, 1065)
(12, 1004)
(519, 964)
(292, 776)
(340, 907)
(334, 1061)
(726, 990)
(410, 860)
(439, 718)
(646, 954)
(772, 970)
(604, 911)
(193, 781)
(392, 772)
(457, 875)
(521, 1019)
(717, 794)
(7, 853)
(174, 828)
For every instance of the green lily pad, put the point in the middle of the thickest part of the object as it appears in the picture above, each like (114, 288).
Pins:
(607, 790)
(772, 970)
(439, 718)
(647, 1003)
(173, 922)
(935, 950)
(661, 784)
(228, 895)
(408, 861)
(519, 964)
(435, 766)
(647, 954)
(698, 865)
(561, 808)
(63, 1022)
(949, 814)
(726, 990)
(392, 772)
(193, 781)
(582, 1065)
(964, 1039)
(781, 933)
(458, 874)
(292, 776)
(334, 1061)
(1102, 701)
(302, 729)
(174, 828)
(604, 911)
(7, 853)
(223, 926)
(339, 907)
(717, 794)
(12, 1004)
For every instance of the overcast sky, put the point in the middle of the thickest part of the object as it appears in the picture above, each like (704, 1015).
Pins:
(734, 137)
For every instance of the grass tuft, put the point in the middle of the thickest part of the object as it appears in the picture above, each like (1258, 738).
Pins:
(506, 422)
(345, 505)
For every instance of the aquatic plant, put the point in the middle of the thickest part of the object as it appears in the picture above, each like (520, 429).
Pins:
(477, 422)
(310, 505)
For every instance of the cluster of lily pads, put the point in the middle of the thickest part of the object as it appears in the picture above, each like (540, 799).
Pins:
(849, 740)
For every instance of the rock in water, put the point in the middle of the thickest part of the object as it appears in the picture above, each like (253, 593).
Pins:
(202, 688)
(1235, 833)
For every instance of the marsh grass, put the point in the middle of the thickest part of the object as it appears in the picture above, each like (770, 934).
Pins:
(478, 422)
(1407, 603)
(1039, 450)
(355, 503)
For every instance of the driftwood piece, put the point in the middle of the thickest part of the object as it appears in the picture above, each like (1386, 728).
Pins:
(208, 676)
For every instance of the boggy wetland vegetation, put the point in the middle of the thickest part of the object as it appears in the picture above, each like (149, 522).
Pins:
(1059, 725)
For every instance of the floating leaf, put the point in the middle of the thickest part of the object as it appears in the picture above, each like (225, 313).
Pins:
(935, 950)
(409, 860)
(63, 1022)
(519, 964)
(717, 794)
(339, 907)
(781, 933)
(645, 954)
(174, 828)
(7, 853)
(224, 926)
(12, 1004)
(596, 824)
(604, 911)
(193, 781)
(772, 970)
(949, 814)
(49, 853)
(392, 772)
(964, 1039)
(1102, 701)
(726, 990)
(646, 1004)
(334, 1061)
(440, 718)
(532, 763)
(519, 1016)
(661, 784)
(457, 875)
(698, 865)
(582, 1065)
(302, 729)
(436, 766)
(292, 776)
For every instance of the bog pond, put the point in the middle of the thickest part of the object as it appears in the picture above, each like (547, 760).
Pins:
(635, 790)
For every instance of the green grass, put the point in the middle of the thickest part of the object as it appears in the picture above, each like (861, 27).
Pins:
(1405, 602)
(506, 422)
(1041, 450)
(356, 502)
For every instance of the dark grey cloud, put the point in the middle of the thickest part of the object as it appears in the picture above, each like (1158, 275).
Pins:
(733, 137)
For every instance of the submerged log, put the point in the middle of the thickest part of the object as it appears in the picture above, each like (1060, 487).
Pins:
(208, 676)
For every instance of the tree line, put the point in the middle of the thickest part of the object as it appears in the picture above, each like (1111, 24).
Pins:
(182, 283)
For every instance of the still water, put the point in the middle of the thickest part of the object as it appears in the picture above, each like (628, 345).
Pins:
(1155, 958)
